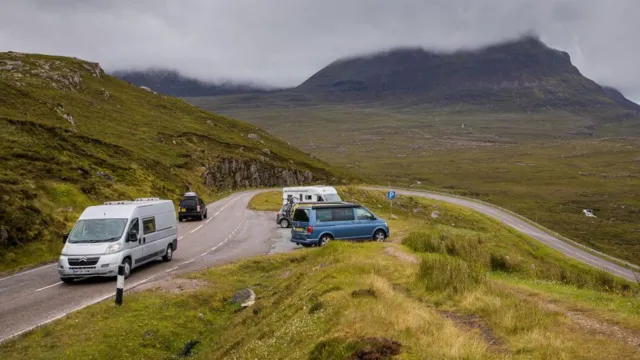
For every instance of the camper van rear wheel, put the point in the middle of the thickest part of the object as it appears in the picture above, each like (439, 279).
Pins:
(284, 223)
(127, 267)
(169, 254)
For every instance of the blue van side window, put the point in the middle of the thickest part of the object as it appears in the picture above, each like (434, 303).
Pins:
(342, 214)
(323, 215)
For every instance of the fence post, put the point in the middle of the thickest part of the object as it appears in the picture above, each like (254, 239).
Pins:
(120, 285)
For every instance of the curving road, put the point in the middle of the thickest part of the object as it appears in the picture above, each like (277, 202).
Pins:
(35, 297)
(525, 227)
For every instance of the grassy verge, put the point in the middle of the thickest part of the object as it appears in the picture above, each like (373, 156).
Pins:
(329, 303)
(266, 201)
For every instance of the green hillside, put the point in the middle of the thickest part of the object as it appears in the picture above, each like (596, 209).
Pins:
(71, 136)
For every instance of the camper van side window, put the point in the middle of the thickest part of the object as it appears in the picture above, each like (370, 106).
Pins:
(149, 225)
(308, 197)
(134, 228)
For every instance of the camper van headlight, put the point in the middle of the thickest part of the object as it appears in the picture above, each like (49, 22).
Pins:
(64, 250)
(113, 248)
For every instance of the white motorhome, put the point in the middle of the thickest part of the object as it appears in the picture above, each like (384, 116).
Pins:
(310, 194)
(131, 233)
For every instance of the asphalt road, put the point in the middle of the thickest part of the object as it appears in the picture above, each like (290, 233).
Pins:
(523, 226)
(231, 232)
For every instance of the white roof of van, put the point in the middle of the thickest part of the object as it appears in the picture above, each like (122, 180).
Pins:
(313, 188)
(117, 211)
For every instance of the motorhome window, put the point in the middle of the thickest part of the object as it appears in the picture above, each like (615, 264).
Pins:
(149, 225)
(308, 197)
(301, 215)
(134, 228)
(97, 230)
(332, 197)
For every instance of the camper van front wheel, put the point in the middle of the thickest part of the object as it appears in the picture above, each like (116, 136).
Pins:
(169, 254)
(127, 267)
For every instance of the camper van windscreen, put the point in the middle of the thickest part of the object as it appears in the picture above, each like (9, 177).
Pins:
(97, 230)
(332, 197)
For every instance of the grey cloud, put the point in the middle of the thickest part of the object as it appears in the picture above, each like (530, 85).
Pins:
(282, 42)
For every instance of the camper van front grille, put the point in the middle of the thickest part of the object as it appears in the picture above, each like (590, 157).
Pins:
(83, 261)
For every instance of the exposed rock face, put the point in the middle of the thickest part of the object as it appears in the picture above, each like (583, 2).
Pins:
(231, 173)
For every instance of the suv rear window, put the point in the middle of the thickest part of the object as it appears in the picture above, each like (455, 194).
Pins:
(301, 215)
(188, 203)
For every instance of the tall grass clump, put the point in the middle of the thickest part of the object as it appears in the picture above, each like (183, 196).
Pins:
(464, 246)
(443, 273)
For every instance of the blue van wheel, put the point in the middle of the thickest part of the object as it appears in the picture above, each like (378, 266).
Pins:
(324, 240)
(379, 236)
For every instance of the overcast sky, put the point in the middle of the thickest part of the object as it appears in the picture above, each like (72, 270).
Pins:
(282, 42)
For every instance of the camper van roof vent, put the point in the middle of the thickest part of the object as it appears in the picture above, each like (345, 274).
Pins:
(148, 199)
(118, 202)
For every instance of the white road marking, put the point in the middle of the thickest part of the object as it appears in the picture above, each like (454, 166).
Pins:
(196, 229)
(180, 237)
(27, 272)
(50, 286)
(173, 268)
(209, 220)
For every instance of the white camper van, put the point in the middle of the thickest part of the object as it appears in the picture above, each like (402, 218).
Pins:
(310, 194)
(131, 233)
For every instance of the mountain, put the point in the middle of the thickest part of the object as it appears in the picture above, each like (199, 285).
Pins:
(522, 74)
(171, 82)
(71, 136)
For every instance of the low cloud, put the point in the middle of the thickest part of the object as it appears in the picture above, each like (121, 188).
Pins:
(282, 42)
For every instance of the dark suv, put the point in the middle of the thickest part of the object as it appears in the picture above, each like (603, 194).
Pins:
(192, 207)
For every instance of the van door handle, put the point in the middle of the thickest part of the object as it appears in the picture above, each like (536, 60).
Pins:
(144, 240)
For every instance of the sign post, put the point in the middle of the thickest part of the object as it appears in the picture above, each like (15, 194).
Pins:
(391, 195)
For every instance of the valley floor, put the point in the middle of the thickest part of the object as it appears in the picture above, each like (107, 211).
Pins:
(544, 166)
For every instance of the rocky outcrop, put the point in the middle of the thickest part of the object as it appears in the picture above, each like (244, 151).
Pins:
(230, 173)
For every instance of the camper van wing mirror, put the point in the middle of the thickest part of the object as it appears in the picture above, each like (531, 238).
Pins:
(65, 237)
(132, 237)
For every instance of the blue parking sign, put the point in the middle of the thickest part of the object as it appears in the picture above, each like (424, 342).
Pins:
(391, 194)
